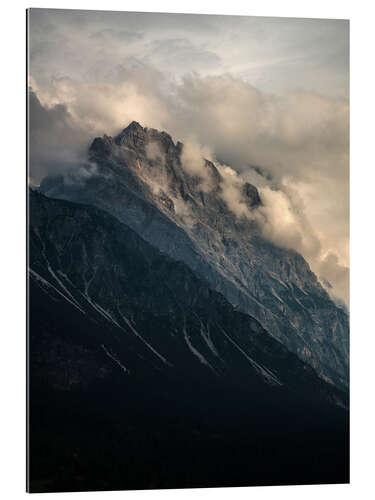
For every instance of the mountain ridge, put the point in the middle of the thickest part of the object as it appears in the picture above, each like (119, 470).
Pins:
(139, 177)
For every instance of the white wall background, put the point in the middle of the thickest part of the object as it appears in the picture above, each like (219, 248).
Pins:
(13, 230)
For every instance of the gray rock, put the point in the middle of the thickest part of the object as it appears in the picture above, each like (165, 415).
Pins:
(165, 205)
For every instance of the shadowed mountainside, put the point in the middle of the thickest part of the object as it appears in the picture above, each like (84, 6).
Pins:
(141, 376)
(138, 177)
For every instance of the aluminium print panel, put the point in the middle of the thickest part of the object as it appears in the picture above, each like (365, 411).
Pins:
(188, 263)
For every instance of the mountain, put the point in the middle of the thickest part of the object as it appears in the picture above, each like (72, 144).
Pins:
(142, 376)
(139, 177)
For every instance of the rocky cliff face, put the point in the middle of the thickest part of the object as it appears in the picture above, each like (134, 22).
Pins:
(139, 177)
(171, 319)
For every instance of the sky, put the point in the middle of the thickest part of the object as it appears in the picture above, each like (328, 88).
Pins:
(270, 93)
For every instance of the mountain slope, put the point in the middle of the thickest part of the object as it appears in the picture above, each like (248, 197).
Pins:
(103, 268)
(139, 178)
(154, 380)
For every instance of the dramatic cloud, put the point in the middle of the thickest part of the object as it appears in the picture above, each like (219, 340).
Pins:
(180, 53)
(299, 134)
(56, 141)
(206, 81)
(337, 276)
(193, 158)
(231, 192)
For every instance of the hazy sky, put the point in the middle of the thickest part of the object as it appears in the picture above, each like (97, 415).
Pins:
(271, 92)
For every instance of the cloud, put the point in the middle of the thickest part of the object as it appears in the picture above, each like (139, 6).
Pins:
(56, 142)
(193, 158)
(231, 192)
(179, 53)
(111, 35)
(280, 223)
(337, 275)
(111, 102)
(297, 134)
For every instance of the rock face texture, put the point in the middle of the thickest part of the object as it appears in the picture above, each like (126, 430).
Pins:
(139, 177)
(142, 376)
(173, 319)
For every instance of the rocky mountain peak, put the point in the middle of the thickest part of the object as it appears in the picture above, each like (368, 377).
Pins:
(164, 140)
(134, 135)
(141, 179)
(251, 195)
(101, 147)
(153, 151)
